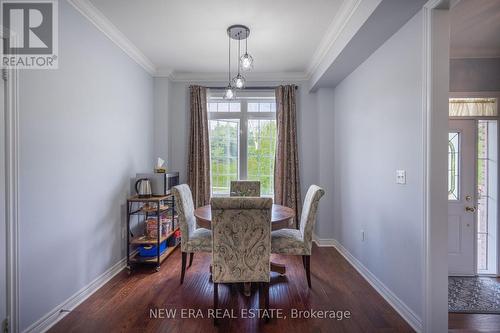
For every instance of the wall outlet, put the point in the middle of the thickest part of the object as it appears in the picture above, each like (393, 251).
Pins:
(401, 177)
(362, 235)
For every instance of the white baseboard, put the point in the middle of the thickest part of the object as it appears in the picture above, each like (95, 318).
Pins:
(323, 242)
(404, 311)
(53, 316)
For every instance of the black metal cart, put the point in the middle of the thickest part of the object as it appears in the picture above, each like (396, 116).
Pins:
(144, 209)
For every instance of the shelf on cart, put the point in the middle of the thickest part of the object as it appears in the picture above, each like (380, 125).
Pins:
(136, 198)
(143, 240)
(153, 260)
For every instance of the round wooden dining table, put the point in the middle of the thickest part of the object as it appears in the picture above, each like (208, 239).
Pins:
(280, 218)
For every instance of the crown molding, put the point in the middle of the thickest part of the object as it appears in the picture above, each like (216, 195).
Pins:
(332, 34)
(164, 72)
(251, 76)
(91, 13)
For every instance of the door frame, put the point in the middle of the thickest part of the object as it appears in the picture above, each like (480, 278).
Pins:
(435, 97)
(12, 189)
(485, 94)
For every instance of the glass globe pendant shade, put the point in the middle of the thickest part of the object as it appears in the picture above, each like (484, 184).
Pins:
(228, 92)
(239, 81)
(246, 62)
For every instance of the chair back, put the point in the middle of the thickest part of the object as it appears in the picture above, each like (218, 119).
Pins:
(241, 233)
(185, 210)
(245, 188)
(309, 212)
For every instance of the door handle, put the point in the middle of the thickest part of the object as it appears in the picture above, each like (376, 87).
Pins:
(470, 209)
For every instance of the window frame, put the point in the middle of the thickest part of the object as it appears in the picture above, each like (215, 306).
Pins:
(243, 116)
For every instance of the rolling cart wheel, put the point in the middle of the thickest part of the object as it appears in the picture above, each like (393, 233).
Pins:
(157, 268)
(129, 270)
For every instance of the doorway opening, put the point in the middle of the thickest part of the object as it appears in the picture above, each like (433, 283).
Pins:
(473, 186)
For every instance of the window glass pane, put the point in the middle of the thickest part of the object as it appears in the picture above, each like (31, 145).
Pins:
(484, 132)
(453, 165)
(260, 150)
(212, 107)
(224, 152)
(223, 107)
(482, 250)
(253, 107)
(473, 107)
(273, 107)
(234, 107)
(265, 107)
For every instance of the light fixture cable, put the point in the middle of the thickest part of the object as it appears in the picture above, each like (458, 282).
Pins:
(229, 68)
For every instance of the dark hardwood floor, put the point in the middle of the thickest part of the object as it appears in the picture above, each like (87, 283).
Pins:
(465, 322)
(124, 303)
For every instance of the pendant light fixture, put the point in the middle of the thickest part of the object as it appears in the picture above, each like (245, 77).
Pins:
(229, 92)
(246, 60)
(238, 32)
(239, 80)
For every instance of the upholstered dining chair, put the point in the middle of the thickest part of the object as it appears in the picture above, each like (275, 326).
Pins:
(241, 229)
(244, 188)
(192, 239)
(298, 242)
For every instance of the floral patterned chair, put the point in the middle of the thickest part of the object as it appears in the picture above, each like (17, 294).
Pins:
(298, 242)
(245, 188)
(192, 239)
(241, 229)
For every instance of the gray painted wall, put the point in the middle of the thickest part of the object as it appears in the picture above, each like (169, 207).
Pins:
(85, 129)
(469, 75)
(377, 129)
(325, 162)
(162, 89)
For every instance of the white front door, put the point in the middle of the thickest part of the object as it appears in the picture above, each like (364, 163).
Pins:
(461, 197)
(3, 229)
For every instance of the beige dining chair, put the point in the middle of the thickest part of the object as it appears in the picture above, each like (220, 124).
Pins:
(298, 242)
(192, 239)
(245, 188)
(241, 252)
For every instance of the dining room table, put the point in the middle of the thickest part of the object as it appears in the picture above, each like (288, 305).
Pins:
(281, 218)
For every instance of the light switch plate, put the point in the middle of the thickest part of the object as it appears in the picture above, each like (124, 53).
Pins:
(401, 177)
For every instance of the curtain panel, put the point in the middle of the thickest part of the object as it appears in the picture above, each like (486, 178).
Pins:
(198, 173)
(473, 107)
(286, 162)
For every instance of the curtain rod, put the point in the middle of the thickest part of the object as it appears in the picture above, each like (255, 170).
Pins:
(248, 88)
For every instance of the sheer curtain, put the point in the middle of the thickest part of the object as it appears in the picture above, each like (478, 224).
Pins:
(198, 173)
(286, 163)
(473, 107)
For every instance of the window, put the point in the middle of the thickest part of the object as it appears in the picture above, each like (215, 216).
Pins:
(487, 195)
(242, 140)
(453, 164)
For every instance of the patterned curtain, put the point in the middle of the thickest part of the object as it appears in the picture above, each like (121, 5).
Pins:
(286, 162)
(199, 149)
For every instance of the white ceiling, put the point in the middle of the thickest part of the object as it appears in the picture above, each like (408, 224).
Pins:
(184, 36)
(475, 29)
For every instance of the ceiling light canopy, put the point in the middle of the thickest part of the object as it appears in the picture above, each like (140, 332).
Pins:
(245, 62)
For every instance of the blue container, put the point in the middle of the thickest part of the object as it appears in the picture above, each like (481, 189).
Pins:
(151, 250)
